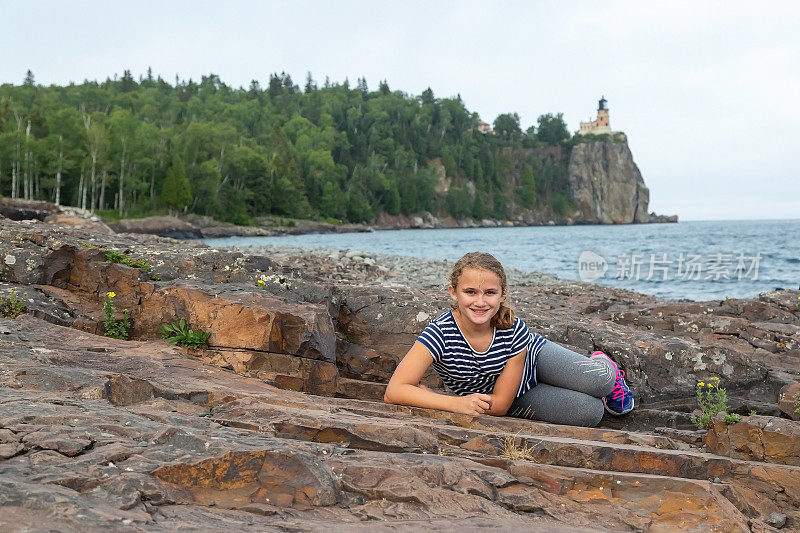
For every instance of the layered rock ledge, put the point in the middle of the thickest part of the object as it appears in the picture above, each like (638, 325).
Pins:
(279, 424)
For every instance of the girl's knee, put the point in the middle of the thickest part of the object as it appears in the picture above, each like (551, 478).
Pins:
(588, 413)
(594, 414)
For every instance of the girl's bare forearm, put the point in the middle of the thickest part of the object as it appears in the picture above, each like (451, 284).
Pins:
(415, 396)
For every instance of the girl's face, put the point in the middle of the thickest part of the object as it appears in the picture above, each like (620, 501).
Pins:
(478, 295)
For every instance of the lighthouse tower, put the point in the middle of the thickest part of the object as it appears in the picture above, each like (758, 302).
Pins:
(601, 124)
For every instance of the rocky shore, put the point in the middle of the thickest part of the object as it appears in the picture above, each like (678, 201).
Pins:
(200, 227)
(279, 423)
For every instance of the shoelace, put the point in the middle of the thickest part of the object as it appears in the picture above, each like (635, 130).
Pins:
(618, 391)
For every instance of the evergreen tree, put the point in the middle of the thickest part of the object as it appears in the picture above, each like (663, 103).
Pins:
(176, 190)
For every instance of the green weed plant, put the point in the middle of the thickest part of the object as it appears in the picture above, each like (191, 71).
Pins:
(112, 256)
(116, 329)
(180, 333)
(12, 306)
(712, 399)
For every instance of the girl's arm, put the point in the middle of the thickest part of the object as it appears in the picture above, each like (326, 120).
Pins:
(507, 385)
(404, 388)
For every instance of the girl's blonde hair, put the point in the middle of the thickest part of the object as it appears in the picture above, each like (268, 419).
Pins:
(504, 318)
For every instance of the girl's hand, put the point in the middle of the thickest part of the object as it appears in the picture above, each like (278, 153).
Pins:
(473, 404)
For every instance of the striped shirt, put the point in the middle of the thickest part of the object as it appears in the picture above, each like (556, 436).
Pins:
(465, 370)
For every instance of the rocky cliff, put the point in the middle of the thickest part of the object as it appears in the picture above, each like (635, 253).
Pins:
(279, 424)
(606, 184)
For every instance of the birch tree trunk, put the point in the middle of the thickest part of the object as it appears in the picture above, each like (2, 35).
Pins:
(103, 181)
(27, 186)
(58, 170)
(122, 176)
(83, 187)
(36, 182)
(93, 181)
(15, 177)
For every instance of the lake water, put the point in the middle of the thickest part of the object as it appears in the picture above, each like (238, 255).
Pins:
(696, 260)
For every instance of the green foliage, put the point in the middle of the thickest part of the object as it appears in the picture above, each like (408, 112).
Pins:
(796, 399)
(479, 206)
(732, 418)
(501, 206)
(180, 333)
(506, 126)
(459, 203)
(712, 399)
(176, 191)
(11, 306)
(449, 163)
(116, 329)
(112, 256)
(552, 129)
(561, 203)
(124, 147)
(526, 193)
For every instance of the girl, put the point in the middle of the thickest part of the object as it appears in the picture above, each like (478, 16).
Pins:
(495, 365)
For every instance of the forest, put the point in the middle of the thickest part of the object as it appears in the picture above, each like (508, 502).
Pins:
(131, 147)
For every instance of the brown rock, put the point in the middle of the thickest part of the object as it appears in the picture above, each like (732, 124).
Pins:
(360, 390)
(241, 320)
(756, 438)
(288, 371)
(19, 209)
(122, 390)
(79, 223)
(166, 226)
(235, 480)
(789, 400)
(88, 420)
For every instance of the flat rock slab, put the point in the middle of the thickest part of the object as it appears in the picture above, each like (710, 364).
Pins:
(756, 438)
(97, 433)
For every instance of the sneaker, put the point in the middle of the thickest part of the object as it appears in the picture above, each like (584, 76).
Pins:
(620, 400)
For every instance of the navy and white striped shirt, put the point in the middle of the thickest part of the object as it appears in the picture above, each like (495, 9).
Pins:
(464, 370)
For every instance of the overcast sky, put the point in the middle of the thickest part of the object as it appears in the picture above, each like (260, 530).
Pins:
(707, 92)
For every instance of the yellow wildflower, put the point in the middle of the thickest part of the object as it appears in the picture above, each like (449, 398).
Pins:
(261, 282)
(112, 294)
(701, 384)
(781, 345)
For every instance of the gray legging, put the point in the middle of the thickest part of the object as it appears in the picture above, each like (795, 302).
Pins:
(569, 388)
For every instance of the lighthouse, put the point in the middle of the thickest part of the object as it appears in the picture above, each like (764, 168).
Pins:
(601, 125)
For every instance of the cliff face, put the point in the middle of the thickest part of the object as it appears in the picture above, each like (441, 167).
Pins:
(606, 184)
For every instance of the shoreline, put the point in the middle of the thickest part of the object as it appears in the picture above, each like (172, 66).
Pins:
(383, 269)
(195, 227)
(424, 248)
